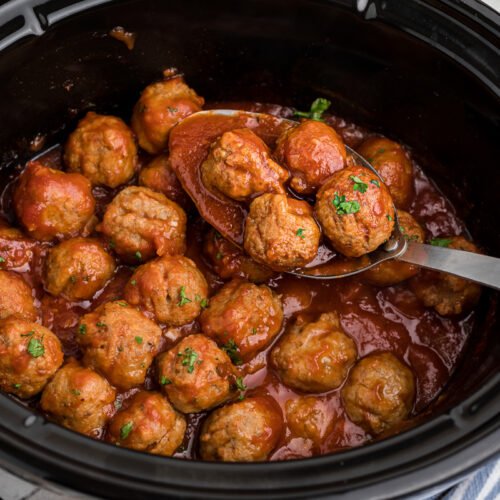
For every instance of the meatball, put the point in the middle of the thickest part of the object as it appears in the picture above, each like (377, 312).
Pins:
(391, 162)
(228, 261)
(103, 149)
(16, 297)
(314, 356)
(159, 108)
(392, 272)
(379, 392)
(447, 294)
(355, 210)
(197, 375)
(142, 223)
(77, 268)
(240, 167)
(245, 431)
(15, 249)
(312, 151)
(29, 355)
(170, 287)
(309, 418)
(243, 316)
(159, 176)
(281, 232)
(148, 424)
(51, 204)
(78, 398)
(119, 342)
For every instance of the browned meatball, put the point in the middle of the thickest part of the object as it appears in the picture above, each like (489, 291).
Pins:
(240, 167)
(77, 268)
(379, 392)
(245, 431)
(171, 287)
(315, 356)
(119, 342)
(281, 232)
(148, 424)
(446, 293)
(355, 210)
(103, 149)
(142, 223)
(51, 204)
(159, 176)
(312, 151)
(159, 108)
(78, 398)
(392, 272)
(16, 297)
(29, 355)
(243, 317)
(197, 375)
(229, 261)
(309, 418)
(391, 162)
(16, 249)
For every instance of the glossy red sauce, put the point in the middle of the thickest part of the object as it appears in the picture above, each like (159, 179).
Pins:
(378, 319)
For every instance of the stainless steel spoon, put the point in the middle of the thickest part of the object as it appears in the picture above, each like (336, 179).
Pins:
(475, 267)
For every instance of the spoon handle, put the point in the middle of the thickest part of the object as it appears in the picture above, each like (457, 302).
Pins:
(472, 266)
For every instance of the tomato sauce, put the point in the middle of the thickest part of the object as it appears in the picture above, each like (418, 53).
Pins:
(377, 319)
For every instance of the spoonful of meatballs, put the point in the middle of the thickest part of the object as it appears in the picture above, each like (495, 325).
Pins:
(315, 207)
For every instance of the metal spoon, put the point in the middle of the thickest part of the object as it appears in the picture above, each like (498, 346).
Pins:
(475, 267)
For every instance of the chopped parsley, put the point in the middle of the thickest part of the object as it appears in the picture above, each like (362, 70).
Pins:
(73, 279)
(29, 334)
(138, 255)
(82, 329)
(217, 235)
(345, 207)
(86, 279)
(388, 217)
(240, 385)
(375, 182)
(100, 323)
(164, 380)
(36, 347)
(318, 107)
(380, 151)
(173, 110)
(359, 185)
(300, 232)
(111, 244)
(126, 430)
(218, 256)
(184, 299)
(2, 260)
(189, 358)
(232, 352)
(124, 304)
(441, 242)
(138, 340)
(76, 392)
(203, 301)
(254, 331)
(133, 282)
(118, 404)
(16, 386)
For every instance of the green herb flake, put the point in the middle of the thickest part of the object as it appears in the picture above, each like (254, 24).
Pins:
(86, 279)
(142, 108)
(100, 323)
(217, 235)
(172, 110)
(240, 385)
(189, 357)
(76, 392)
(318, 107)
(441, 242)
(16, 386)
(232, 352)
(82, 329)
(164, 380)
(345, 207)
(36, 347)
(375, 182)
(73, 279)
(203, 301)
(133, 282)
(389, 218)
(126, 430)
(241, 397)
(111, 244)
(138, 340)
(300, 232)
(380, 151)
(138, 255)
(359, 185)
(254, 331)
(218, 256)
(2, 260)
(123, 304)
(118, 404)
(29, 334)
(184, 299)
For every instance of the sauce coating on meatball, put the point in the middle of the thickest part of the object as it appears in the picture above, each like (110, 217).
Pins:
(240, 167)
(51, 204)
(16, 297)
(312, 151)
(103, 149)
(355, 210)
(243, 317)
(170, 287)
(309, 418)
(16, 249)
(29, 355)
(245, 431)
(281, 232)
(142, 223)
(149, 424)
(315, 356)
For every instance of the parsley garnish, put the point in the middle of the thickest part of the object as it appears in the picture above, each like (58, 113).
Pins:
(2, 260)
(126, 430)
(173, 110)
(124, 304)
(73, 279)
(111, 244)
(376, 182)
(218, 256)
(318, 107)
(184, 299)
(189, 358)
(100, 323)
(16, 386)
(133, 282)
(345, 207)
(76, 392)
(381, 150)
(232, 352)
(138, 340)
(359, 185)
(388, 217)
(240, 385)
(29, 334)
(217, 235)
(82, 329)
(165, 380)
(118, 404)
(86, 279)
(441, 242)
(300, 232)
(203, 301)
(36, 347)
(138, 255)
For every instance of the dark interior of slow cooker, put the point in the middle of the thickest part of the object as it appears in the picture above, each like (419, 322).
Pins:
(283, 51)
